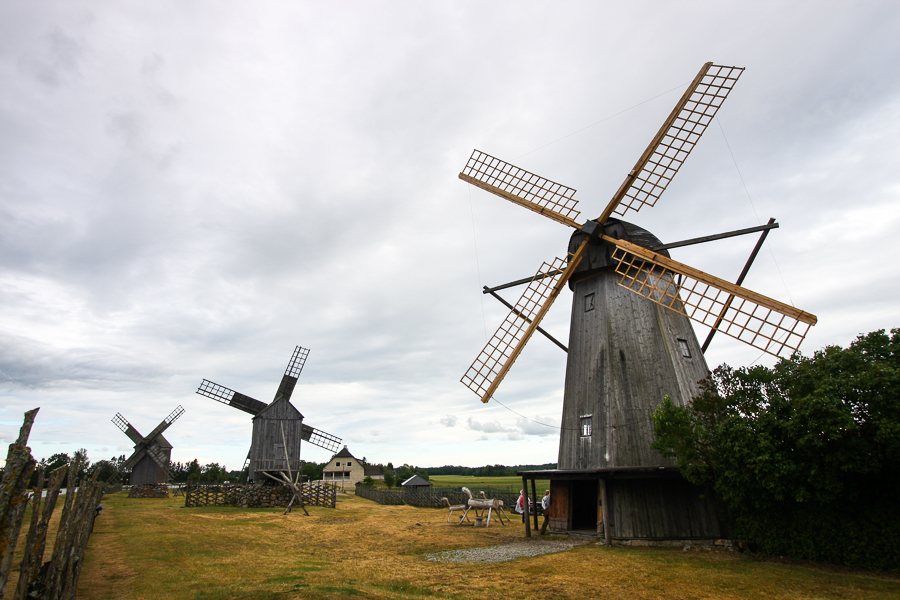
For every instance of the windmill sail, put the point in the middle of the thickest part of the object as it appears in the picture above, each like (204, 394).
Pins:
(126, 427)
(222, 394)
(522, 187)
(501, 351)
(319, 438)
(289, 379)
(757, 320)
(173, 416)
(674, 141)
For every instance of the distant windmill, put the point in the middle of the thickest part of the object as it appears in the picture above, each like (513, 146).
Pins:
(277, 427)
(149, 464)
(630, 341)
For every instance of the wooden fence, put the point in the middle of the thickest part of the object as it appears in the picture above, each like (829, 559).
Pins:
(257, 496)
(56, 579)
(430, 497)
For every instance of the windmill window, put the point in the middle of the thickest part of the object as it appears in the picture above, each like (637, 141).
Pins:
(683, 345)
(588, 302)
(337, 464)
(349, 463)
(586, 426)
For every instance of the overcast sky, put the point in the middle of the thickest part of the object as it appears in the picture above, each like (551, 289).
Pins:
(189, 190)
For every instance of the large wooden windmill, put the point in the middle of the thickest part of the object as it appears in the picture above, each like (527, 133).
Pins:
(277, 427)
(149, 464)
(630, 341)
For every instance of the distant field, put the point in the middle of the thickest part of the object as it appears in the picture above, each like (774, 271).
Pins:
(153, 549)
(512, 482)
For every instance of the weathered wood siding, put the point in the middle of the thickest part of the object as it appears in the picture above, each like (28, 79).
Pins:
(560, 498)
(624, 358)
(147, 472)
(666, 508)
(267, 448)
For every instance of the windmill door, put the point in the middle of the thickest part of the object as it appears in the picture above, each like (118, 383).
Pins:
(585, 503)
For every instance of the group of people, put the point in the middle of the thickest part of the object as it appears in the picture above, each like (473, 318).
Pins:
(520, 503)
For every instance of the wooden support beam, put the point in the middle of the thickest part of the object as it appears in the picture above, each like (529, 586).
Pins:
(525, 507)
(523, 281)
(718, 236)
(605, 512)
(527, 320)
(740, 280)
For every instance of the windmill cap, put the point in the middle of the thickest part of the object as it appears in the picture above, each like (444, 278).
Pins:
(598, 258)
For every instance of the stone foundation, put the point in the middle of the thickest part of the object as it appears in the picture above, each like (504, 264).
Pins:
(159, 490)
(684, 544)
(263, 496)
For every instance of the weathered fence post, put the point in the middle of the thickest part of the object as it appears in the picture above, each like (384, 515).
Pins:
(13, 497)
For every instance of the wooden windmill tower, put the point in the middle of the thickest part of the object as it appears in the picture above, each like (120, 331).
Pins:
(277, 427)
(149, 464)
(630, 342)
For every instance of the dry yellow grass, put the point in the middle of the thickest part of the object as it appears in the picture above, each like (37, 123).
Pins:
(155, 549)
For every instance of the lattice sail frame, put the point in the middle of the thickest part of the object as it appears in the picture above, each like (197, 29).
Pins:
(319, 438)
(675, 140)
(756, 320)
(497, 352)
(534, 192)
(215, 391)
(298, 359)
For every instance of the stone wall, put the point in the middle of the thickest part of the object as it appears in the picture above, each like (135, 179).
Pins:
(263, 496)
(159, 490)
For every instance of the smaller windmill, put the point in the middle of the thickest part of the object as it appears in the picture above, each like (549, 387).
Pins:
(278, 427)
(149, 464)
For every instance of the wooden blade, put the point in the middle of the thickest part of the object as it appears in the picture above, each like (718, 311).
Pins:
(522, 187)
(173, 416)
(501, 351)
(132, 433)
(295, 366)
(222, 394)
(674, 141)
(757, 320)
(319, 438)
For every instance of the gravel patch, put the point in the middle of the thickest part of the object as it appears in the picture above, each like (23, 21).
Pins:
(503, 553)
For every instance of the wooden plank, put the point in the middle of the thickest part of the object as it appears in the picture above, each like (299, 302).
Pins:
(604, 512)
(525, 507)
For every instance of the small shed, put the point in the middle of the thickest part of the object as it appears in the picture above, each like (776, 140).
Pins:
(415, 483)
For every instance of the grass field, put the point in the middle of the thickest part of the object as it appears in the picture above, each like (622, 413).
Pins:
(473, 483)
(156, 549)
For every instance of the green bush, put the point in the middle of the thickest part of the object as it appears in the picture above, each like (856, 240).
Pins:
(805, 457)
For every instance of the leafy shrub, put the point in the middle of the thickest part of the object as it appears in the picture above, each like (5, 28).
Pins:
(805, 457)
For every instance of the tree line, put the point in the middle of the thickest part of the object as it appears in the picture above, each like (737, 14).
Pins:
(192, 471)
